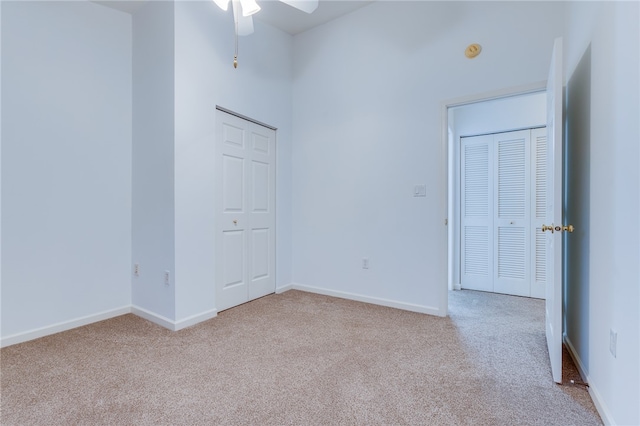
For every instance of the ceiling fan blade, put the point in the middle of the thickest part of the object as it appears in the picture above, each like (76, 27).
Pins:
(303, 5)
(245, 23)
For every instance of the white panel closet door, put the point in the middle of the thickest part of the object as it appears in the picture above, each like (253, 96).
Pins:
(512, 213)
(245, 211)
(262, 202)
(477, 213)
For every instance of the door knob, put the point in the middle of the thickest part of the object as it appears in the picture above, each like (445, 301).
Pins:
(235, 222)
(551, 228)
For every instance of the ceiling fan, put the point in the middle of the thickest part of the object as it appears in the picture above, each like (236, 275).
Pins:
(243, 9)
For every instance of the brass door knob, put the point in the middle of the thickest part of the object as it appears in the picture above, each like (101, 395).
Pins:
(551, 228)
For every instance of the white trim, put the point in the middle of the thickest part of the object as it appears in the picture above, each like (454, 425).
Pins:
(443, 309)
(284, 288)
(576, 359)
(539, 86)
(603, 410)
(244, 117)
(90, 319)
(605, 414)
(153, 317)
(170, 324)
(62, 326)
(194, 319)
(430, 310)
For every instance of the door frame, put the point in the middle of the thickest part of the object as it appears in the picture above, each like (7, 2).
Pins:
(447, 147)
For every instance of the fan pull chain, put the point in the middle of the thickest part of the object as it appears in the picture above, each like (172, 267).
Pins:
(235, 56)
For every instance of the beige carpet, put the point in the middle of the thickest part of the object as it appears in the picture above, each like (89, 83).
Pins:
(299, 358)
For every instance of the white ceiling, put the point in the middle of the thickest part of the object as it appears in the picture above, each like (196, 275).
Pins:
(275, 13)
(129, 6)
(294, 21)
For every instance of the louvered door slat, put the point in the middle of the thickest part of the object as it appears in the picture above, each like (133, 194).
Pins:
(511, 223)
(511, 253)
(476, 201)
(540, 142)
(476, 251)
(511, 178)
(539, 200)
(476, 213)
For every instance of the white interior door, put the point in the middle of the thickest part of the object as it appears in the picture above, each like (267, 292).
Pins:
(476, 245)
(553, 227)
(245, 211)
(496, 183)
(512, 252)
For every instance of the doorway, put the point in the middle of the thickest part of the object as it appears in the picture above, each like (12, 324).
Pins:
(497, 249)
(245, 210)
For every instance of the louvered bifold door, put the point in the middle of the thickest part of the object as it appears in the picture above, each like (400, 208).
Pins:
(476, 251)
(512, 213)
(539, 211)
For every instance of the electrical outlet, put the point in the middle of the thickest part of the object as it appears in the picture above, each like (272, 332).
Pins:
(365, 263)
(613, 342)
(167, 278)
(136, 269)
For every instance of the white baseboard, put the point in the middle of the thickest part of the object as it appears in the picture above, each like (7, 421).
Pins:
(62, 326)
(153, 317)
(367, 299)
(284, 288)
(171, 324)
(576, 359)
(195, 319)
(90, 319)
(602, 408)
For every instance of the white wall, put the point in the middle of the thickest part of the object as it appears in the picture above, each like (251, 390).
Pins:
(259, 88)
(153, 236)
(0, 171)
(611, 30)
(66, 163)
(500, 115)
(367, 98)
